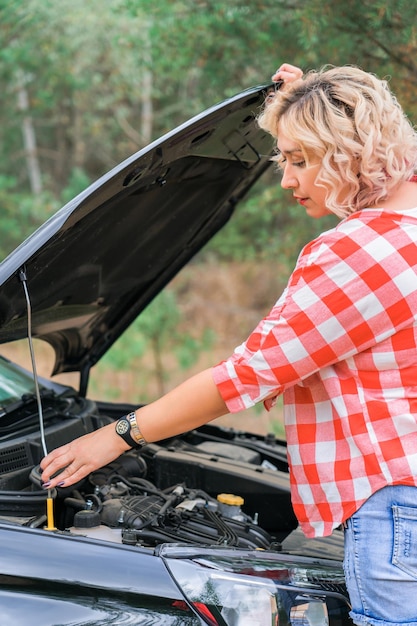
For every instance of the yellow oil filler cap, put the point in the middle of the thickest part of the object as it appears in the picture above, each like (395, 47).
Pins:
(231, 499)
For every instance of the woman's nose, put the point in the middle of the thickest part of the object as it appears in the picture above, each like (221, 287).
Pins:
(288, 181)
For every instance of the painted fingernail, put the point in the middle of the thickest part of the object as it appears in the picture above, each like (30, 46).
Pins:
(61, 484)
(46, 485)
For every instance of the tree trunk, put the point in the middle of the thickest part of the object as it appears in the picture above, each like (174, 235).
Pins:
(147, 105)
(29, 139)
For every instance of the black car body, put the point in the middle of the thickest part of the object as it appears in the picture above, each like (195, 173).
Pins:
(198, 529)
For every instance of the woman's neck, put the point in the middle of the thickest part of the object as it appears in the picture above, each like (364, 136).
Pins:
(402, 198)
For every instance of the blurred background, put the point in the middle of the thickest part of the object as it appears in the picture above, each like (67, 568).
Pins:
(86, 84)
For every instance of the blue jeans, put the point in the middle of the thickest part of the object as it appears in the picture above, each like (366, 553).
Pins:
(381, 559)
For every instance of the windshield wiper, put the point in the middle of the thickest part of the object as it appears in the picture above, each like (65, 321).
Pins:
(25, 400)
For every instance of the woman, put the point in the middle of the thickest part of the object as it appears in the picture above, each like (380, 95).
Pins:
(340, 344)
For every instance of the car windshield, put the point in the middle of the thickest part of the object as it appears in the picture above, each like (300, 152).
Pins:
(14, 383)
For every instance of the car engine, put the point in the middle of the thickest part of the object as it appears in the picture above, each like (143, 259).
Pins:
(212, 486)
(174, 491)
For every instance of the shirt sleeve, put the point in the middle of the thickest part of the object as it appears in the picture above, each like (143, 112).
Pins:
(345, 295)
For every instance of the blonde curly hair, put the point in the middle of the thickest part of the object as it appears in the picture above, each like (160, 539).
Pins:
(351, 121)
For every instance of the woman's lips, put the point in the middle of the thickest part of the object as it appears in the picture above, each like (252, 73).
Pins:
(300, 200)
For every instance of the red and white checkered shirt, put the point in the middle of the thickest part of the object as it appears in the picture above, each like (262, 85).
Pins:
(341, 346)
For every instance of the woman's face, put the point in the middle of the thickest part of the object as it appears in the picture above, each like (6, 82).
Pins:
(300, 178)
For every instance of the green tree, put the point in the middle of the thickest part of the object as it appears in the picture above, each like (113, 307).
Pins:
(158, 332)
(378, 35)
(109, 75)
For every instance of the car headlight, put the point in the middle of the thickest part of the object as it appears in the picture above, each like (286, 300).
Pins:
(243, 588)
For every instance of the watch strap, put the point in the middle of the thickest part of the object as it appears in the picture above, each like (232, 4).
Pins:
(135, 430)
(128, 429)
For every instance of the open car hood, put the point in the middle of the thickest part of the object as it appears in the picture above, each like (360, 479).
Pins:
(97, 263)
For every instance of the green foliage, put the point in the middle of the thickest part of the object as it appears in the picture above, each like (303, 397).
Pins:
(20, 214)
(105, 70)
(108, 75)
(224, 46)
(157, 332)
(77, 182)
(378, 35)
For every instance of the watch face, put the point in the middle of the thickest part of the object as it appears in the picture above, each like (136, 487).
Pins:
(122, 427)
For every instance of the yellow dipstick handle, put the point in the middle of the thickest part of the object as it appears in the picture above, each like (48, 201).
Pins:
(50, 513)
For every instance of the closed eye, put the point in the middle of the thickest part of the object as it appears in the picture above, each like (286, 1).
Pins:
(281, 160)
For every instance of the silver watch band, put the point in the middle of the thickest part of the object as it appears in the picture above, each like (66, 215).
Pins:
(135, 430)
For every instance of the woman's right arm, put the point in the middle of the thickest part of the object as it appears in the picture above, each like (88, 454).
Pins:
(191, 404)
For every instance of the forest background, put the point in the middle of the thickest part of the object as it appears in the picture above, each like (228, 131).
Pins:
(86, 84)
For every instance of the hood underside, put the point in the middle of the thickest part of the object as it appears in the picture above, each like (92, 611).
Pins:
(97, 263)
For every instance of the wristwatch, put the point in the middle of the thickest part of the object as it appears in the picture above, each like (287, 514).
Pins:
(128, 429)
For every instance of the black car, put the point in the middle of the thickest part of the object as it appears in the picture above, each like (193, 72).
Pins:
(198, 529)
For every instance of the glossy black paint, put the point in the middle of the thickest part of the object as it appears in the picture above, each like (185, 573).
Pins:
(49, 578)
(95, 265)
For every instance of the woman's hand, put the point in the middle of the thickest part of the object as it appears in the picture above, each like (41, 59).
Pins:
(287, 73)
(82, 456)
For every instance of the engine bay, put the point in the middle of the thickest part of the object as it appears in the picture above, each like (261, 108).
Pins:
(212, 486)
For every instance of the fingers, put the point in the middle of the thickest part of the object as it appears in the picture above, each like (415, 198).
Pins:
(69, 476)
(72, 462)
(288, 73)
(54, 461)
(62, 467)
